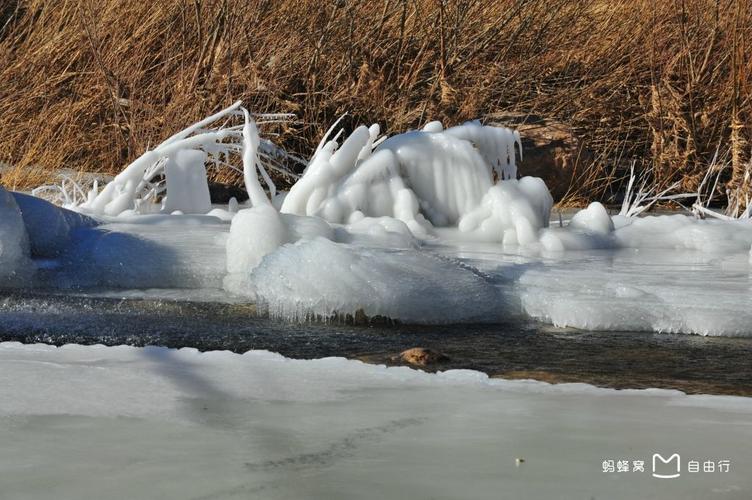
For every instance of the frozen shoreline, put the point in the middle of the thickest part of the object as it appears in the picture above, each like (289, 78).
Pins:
(432, 226)
(674, 290)
(125, 422)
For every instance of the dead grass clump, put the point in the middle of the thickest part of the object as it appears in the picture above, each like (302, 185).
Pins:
(90, 85)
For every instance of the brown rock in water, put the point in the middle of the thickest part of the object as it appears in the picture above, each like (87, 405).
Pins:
(420, 356)
(550, 149)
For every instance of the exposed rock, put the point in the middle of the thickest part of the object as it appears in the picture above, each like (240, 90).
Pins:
(550, 148)
(420, 356)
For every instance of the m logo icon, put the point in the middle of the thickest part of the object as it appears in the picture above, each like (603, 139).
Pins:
(670, 468)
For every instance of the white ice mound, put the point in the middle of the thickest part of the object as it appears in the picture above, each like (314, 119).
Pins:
(424, 178)
(187, 188)
(512, 212)
(254, 232)
(15, 265)
(321, 278)
(589, 229)
(594, 219)
(258, 231)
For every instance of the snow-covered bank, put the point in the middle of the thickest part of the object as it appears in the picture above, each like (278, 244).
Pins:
(124, 422)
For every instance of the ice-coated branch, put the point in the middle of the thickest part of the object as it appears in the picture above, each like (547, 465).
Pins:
(203, 123)
(701, 207)
(635, 203)
(213, 140)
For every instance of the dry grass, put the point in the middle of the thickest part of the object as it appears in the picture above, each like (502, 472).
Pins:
(90, 85)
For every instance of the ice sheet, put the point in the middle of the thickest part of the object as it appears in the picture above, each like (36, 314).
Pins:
(158, 251)
(124, 422)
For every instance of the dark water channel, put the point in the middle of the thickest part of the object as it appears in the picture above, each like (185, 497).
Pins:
(517, 349)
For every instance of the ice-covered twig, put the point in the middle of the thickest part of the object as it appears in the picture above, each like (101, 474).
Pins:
(644, 198)
(701, 207)
(325, 138)
(203, 123)
(68, 193)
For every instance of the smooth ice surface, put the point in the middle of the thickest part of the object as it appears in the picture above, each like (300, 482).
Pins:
(643, 291)
(124, 422)
(156, 251)
(676, 291)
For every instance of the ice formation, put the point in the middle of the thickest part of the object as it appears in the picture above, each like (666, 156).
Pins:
(594, 219)
(366, 229)
(512, 212)
(176, 168)
(426, 178)
(147, 251)
(641, 290)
